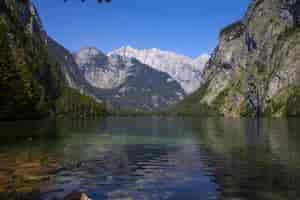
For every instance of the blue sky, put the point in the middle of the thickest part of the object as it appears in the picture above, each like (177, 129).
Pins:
(189, 27)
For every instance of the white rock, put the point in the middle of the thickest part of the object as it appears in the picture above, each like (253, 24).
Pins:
(185, 70)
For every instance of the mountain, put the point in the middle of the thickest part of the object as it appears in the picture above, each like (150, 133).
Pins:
(73, 74)
(33, 84)
(200, 62)
(127, 83)
(255, 69)
(186, 71)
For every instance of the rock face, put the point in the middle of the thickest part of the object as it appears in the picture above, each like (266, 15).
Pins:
(99, 70)
(186, 71)
(255, 68)
(73, 75)
(126, 83)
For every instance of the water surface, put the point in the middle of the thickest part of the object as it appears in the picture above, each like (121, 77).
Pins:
(151, 158)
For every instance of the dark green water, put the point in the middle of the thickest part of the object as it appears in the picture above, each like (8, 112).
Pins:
(151, 158)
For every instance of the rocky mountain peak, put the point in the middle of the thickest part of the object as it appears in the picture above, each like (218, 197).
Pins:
(127, 83)
(89, 52)
(183, 69)
(89, 55)
(200, 61)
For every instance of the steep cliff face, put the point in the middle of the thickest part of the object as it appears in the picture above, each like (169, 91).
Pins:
(31, 81)
(72, 73)
(255, 68)
(126, 83)
(100, 71)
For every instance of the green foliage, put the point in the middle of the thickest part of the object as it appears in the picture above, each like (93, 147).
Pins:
(246, 110)
(32, 85)
(290, 32)
(275, 106)
(286, 103)
(220, 99)
(293, 104)
(135, 113)
(247, 95)
(192, 105)
(290, 36)
(75, 104)
(29, 81)
(19, 92)
(253, 86)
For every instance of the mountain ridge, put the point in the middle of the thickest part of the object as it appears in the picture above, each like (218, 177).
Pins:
(187, 71)
(126, 83)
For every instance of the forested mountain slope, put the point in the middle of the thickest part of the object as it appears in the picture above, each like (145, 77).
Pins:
(31, 82)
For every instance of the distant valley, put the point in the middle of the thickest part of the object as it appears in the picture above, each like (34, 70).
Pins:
(130, 81)
(126, 83)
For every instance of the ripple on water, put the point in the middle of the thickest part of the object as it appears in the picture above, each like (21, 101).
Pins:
(202, 159)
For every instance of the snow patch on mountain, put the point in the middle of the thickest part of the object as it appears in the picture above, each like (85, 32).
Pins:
(127, 83)
(185, 70)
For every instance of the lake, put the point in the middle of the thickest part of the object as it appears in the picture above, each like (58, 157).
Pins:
(151, 158)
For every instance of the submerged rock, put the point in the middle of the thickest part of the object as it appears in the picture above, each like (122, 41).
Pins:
(77, 196)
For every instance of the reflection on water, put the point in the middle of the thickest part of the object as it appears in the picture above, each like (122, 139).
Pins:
(151, 158)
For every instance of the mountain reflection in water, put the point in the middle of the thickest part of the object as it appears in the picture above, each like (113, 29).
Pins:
(151, 158)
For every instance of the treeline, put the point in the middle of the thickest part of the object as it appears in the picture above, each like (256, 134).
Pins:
(136, 113)
(79, 105)
(29, 81)
(32, 85)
